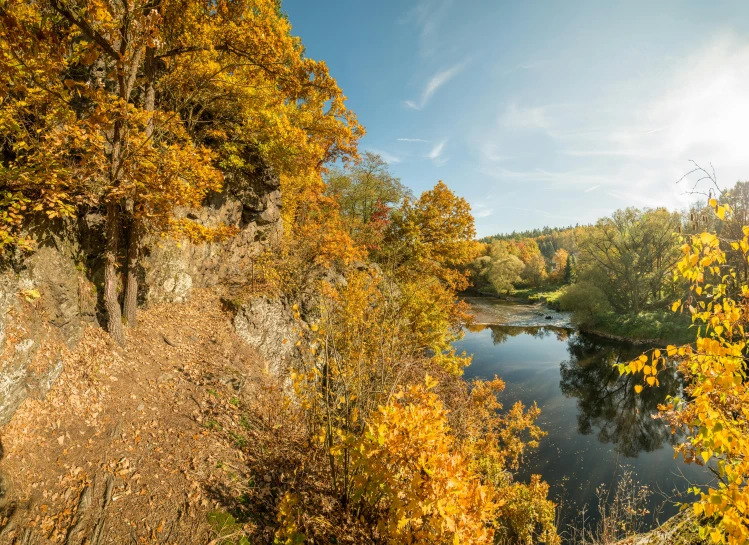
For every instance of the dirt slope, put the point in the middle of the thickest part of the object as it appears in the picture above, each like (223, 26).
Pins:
(136, 445)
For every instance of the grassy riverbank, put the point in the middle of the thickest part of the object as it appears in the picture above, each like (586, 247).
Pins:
(649, 327)
(545, 294)
(657, 327)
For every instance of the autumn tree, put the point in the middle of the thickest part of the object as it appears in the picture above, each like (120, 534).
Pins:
(559, 262)
(714, 410)
(138, 108)
(504, 268)
(361, 187)
(630, 255)
(534, 272)
(434, 233)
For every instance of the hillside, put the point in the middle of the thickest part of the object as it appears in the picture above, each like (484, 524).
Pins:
(142, 442)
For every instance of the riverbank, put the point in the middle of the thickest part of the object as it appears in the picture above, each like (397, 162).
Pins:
(658, 328)
(653, 328)
(490, 310)
(681, 529)
(549, 295)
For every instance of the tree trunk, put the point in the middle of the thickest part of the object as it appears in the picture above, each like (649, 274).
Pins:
(133, 248)
(111, 302)
(131, 282)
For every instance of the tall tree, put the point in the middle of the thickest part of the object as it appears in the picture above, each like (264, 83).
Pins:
(138, 106)
(560, 261)
(436, 233)
(367, 193)
(361, 186)
(504, 268)
(630, 254)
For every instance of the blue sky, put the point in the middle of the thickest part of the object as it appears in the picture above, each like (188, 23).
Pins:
(542, 112)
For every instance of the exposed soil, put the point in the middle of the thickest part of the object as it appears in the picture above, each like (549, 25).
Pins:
(141, 444)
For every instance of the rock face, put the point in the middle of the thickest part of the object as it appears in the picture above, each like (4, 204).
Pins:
(47, 300)
(51, 294)
(252, 204)
(268, 327)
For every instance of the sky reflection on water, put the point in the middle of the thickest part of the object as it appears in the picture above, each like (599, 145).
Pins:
(596, 423)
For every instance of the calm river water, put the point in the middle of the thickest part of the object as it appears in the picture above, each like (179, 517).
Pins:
(597, 426)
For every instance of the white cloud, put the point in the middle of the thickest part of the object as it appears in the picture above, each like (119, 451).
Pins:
(412, 140)
(516, 117)
(490, 153)
(388, 157)
(635, 139)
(540, 212)
(427, 15)
(699, 111)
(560, 178)
(437, 81)
(437, 150)
(436, 154)
(483, 213)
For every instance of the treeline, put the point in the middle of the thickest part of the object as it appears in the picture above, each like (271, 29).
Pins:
(617, 275)
(530, 233)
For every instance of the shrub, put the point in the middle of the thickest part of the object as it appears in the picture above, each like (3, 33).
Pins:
(586, 302)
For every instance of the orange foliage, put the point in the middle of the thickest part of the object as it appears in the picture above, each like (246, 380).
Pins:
(435, 235)
(409, 468)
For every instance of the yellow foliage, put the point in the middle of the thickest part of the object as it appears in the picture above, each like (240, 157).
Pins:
(434, 235)
(409, 468)
(394, 454)
(715, 410)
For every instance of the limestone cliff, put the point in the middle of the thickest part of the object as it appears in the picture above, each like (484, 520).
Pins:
(53, 292)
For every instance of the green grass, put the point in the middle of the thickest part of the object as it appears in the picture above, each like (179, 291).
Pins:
(662, 326)
(548, 294)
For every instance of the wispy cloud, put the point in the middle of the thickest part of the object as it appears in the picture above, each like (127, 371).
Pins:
(427, 16)
(412, 140)
(437, 81)
(537, 211)
(490, 152)
(517, 117)
(437, 150)
(436, 154)
(635, 139)
(697, 111)
(569, 178)
(389, 157)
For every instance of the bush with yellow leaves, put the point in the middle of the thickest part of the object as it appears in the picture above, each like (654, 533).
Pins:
(714, 413)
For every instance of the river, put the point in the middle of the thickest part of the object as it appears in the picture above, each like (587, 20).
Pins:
(597, 426)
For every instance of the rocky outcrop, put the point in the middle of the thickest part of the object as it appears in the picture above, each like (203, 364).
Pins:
(250, 203)
(48, 300)
(268, 326)
(51, 294)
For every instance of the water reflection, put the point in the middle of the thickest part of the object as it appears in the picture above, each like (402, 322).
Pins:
(608, 405)
(594, 420)
(500, 334)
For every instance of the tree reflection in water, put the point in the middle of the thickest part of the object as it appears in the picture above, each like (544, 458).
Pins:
(608, 403)
(501, 333)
